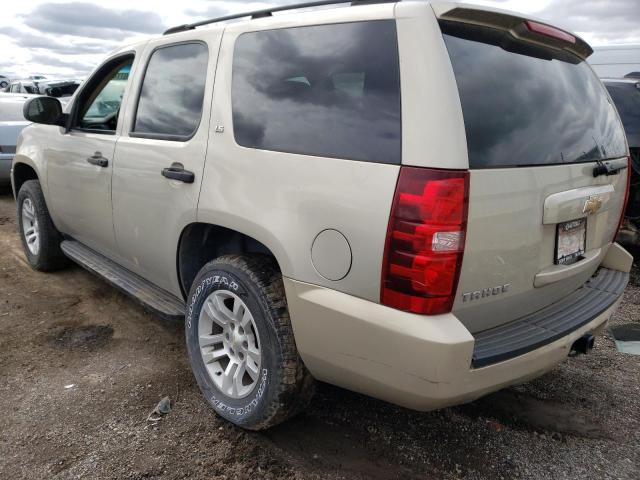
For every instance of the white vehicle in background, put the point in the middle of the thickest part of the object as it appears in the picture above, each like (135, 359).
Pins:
(12, 122)
(615, 61)
(4, 82)
(24, 86)
(53, 88)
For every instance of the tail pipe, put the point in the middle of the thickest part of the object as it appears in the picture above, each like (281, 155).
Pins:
(584, 344)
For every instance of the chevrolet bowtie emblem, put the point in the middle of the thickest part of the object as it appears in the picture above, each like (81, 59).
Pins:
(592, 205)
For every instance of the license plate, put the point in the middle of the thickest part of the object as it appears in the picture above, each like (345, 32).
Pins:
(570, 241)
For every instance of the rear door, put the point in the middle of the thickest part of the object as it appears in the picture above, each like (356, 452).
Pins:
(538, 122)
(160, 157)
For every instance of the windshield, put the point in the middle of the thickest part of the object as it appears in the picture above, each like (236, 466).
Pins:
(529, 105)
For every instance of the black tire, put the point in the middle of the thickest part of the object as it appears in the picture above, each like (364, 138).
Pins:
(284, 386)
(50, 256)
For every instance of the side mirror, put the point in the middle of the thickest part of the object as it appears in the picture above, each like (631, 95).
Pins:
(45, 110)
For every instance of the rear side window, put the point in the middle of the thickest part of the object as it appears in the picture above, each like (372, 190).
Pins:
(528, 105)
(172, 94)
(328, 90)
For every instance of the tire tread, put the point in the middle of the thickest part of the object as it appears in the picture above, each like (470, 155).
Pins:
(50, 257)
(297, 386)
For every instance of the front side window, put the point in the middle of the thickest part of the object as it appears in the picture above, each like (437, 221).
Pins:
(326, 90)
(100, 106)
(173, 92)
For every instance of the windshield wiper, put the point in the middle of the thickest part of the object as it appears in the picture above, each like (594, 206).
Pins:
(608, 168)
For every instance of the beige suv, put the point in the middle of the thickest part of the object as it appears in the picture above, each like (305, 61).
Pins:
(414, 201)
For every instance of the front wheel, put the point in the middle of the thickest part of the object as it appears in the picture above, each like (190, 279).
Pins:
(241, 344)
(40, 239)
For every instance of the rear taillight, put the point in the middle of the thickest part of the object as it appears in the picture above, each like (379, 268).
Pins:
(549, 31)
(626, 198)
(425, 240)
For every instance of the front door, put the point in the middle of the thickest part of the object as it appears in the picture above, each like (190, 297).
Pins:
(80, 161)
(160, 156)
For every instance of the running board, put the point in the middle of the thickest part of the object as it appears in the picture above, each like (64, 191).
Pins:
(153, 298)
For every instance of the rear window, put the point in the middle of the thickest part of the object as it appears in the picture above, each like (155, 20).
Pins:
(327, 90)
(528, 105)
(626, 96)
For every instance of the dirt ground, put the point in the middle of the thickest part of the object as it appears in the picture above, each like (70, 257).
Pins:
(82, 366)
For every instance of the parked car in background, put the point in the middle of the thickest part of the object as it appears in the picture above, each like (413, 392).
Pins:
(416, 201)
(12, 122)
(23, 86)
(625, 93)
(52, 88)
(615, 61)
(58, 88)
(4, 82)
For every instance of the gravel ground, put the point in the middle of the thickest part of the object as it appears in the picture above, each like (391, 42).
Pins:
(82, 366)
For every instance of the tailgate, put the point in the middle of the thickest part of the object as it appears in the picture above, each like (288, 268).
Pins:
(510, 266)
(540, 129)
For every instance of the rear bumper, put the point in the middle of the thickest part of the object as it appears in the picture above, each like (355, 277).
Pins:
(420, 362)
(551, 323)
(5, 168)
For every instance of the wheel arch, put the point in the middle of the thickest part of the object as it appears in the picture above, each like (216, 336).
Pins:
(200, 243)
(21, 172)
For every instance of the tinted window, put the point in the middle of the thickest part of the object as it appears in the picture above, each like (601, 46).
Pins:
(173, 91)
(626, 96)
(525, 105)
(100, 112)
(330, 90)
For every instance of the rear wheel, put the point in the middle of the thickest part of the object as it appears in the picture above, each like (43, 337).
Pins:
(40, 239)
(241, 344)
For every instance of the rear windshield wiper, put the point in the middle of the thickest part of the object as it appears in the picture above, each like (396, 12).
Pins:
(608, 168)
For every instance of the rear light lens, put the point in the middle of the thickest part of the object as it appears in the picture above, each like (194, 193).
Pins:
(549, 31)
(425, 240)
(626, 198)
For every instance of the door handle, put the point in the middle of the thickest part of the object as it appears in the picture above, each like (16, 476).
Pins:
(177, 172)
(98, 159)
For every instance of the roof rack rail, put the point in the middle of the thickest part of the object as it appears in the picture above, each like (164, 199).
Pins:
(267, 12)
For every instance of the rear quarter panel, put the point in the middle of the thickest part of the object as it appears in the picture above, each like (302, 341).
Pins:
(433, 133)
(285, 200)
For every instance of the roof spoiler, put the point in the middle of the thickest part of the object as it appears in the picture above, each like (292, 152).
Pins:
(532, 31)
